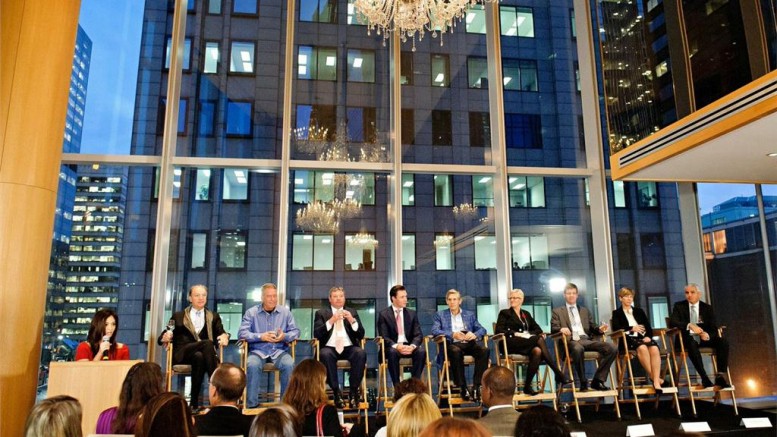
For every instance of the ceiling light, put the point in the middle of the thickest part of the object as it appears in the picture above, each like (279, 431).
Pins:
(440, 77)
(247, 67)
(302, 59)
(408, 184)
(177, 172)
(772, 155)
(298, 181)
(484, 179)
(357, 62)
(303, 70)
(330, 61)
(507, 80)
(245, 56)
(470, 17)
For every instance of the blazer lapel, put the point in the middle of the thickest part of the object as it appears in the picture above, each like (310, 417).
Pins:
(187, 322)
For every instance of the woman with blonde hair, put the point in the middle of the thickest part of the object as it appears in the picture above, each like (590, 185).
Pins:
(411, 415)
(58, 416)
(278, 421)
(455, 427)
(166, 415)
(639, 335)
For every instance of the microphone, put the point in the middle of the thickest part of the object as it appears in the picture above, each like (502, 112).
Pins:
(170, 325)
(106, 338)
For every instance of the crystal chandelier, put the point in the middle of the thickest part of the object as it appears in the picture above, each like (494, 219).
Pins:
(465, 211)
(363, 239)
(346, 208)
(318, 217)
(443, 240)
(411, 17)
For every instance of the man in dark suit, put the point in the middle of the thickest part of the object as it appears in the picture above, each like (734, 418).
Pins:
(498, 391)
(224, 418)
(195, 331)
(339, 331)
(576, 322)
(696, 321)
(401, 334)
(463, 335)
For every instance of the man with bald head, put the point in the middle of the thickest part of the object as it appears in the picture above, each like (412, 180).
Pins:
(224, 418)
(498, 388)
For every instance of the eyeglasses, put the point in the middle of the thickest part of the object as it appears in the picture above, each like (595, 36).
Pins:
(515, 298)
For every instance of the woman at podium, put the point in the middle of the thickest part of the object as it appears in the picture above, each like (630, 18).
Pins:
(100, 344)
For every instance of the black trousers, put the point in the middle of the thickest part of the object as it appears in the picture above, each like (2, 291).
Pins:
(456, 352)
(392, 356)
(202, 357)
(720, 345)
(354, 354)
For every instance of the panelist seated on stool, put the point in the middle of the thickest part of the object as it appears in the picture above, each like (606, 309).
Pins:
(462, 334)
(193, 332)
(401, 333)
(268, 329)
(696, 321)
(340, 332)
(575, 323)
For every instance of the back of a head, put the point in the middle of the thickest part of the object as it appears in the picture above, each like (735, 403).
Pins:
(411, 415)
(541, 421)
(279, 421)
(58, 416)
(412, 385)
(455, 427)
(229, 382)
(166, 414)
(500, 381)
(307, 387)
(143, 382)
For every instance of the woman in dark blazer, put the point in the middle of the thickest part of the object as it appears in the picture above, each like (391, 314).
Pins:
(639, 335)
(525, 337)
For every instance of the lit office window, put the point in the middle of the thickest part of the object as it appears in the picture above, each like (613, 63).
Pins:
(485, 252)
(523, 131)
(519, 75)
(316, 122)
(207, 119)
(190, 5)
(317, 63)
(313, 252)
(231, 314)
(476, 19)
(441, 70)
(516, 21)
(326, 186)
(360, 251)
(526, 191)
(477, 72)
(361, 124)
(176, 183)
(187, 52)
(202, 184)
(354, 17)
(442, 128)
(198, 250)
(361, 66)
(232, 250)
(530, 251)
(214, 7)
(318, 11)
(443, 249)
(659, 311)
(482, 191)
(408, 252)
(408, 190)
(210, 58)
(619, 194)
(479, 129)
(443, 190)
(406, 68)
(245, 7)
(647, 195)
(241, 59)
(235, 184)
(239, 118)
(573, 26)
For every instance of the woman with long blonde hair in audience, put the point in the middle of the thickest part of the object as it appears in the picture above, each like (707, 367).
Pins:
(58, 416)
(166, 415)
(411, 415)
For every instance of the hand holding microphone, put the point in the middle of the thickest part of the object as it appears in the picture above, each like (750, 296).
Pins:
(168, 335)
(105, 344)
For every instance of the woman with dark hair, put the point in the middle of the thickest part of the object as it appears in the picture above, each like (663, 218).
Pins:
(58, 416)
(166, 415)
(541, 421)
(101, 342)
(143, 382)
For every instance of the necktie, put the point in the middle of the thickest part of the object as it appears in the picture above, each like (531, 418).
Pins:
(339, 336)
(694, 321)
(400, 327)
(198, 322)
(575, 322)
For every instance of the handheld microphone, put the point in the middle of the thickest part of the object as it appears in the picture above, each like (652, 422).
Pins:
(170, 325)
(106, 338)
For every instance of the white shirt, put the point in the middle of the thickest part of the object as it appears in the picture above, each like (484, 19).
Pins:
(401, 338)
(574, 318)
(346, 340)
(198, 319)
(457, 324)
(630, 318)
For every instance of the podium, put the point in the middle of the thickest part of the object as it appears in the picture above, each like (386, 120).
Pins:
(96, 384)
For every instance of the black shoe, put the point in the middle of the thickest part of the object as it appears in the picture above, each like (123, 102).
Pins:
(706, 383)
(659, 391)
(465, 393)
(599, 385)
(562, 381)
(355, 399)
(476, 393)
(720, 381)
(339, 404)
(529, 391)
(583, 386)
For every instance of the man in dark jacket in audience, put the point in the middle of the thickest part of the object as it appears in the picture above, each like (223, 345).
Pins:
(225, 418)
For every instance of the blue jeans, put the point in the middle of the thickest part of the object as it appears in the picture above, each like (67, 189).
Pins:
(283, 362)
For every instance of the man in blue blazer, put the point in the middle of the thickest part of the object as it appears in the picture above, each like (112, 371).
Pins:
(463, 334)
(401, 334)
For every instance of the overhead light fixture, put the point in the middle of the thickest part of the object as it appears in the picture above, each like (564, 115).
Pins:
(440, 77)
(507, 80)
(330, 61)
(484, 179)
(245, 56)
(408, 184)
(302, 59)
(772, 155)
(357, 62)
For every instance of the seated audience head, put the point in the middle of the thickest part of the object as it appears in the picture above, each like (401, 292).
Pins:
(278, 421)
(541, 421)
(227, 384)
(498, 386)
(143, 382)
(455, 427)
(168, 415)
(411, 415)
(307, 387)
(412, 385)
(105, 323)
(58, 416)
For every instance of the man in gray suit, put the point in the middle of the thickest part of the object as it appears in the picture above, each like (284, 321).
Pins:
(576, 322)
(498, 387)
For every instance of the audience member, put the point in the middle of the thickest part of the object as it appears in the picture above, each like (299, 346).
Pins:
(412, 385)
(143, 382)
(306, 393)
(278, 421)
(541, 421)
(100, 344)
(224, 418)
(498, 389)
(58, 416)
(411, 415)
(166, 415)
(455, 427)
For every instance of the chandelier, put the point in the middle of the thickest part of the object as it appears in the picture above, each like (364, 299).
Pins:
(443, 240)
(346, 208)
(465, 211)
(318, 217)
(411, 17)
(363, 239)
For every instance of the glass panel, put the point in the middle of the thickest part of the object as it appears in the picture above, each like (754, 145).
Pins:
(231, 315)
(312, 252)
(476, 19)
(187, 53)
(442, 128)
(485, 252)
(211, 58)
(198, 250)
(526, 191)
(361, 66)
(647, 195)
(202, 184)
(619, 194)
(408, 191)
(354, 17)
(360, 251)
(406, 72)
(479, 129)
(408, 252)
(239, 118)
(443, 246)
(235, 184)
(482, 191)
(232, 249)
(214, 6)
(441, 70)
(477, 72)
(249, 7)
(241, 59)
(443, 190)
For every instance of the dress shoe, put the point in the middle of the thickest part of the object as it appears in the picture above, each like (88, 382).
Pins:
(476, 393)
(339, 404)
(355, 399)
(465, 393)
(529, 391)
(706, 383)
(720, 381)
(562, 381)
(583, 386)
(659, 391)
(599, 385)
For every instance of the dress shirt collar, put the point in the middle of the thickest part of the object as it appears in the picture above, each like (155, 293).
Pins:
(499, 407)
(334, 310)
(395, 309)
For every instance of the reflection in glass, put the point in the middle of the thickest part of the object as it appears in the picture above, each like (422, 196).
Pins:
(211, 58)
(516, 21)
(361, 66)
(441, 70)
(187, 53)
(241, 59)
(477, 72)
(482, 191)
(232, 249)
(198, 248)
(526, 191)
(408, 190)
(443, 190)
(408, 252)
(202, 184)
(312, 252)
(360, 251)
(235, 184)
(530, 251)
(443, 245)
(485, 252)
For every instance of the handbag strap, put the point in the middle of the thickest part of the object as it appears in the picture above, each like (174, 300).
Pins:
(320, 421)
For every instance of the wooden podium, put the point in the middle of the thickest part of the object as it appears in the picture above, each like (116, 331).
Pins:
(96, 384)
